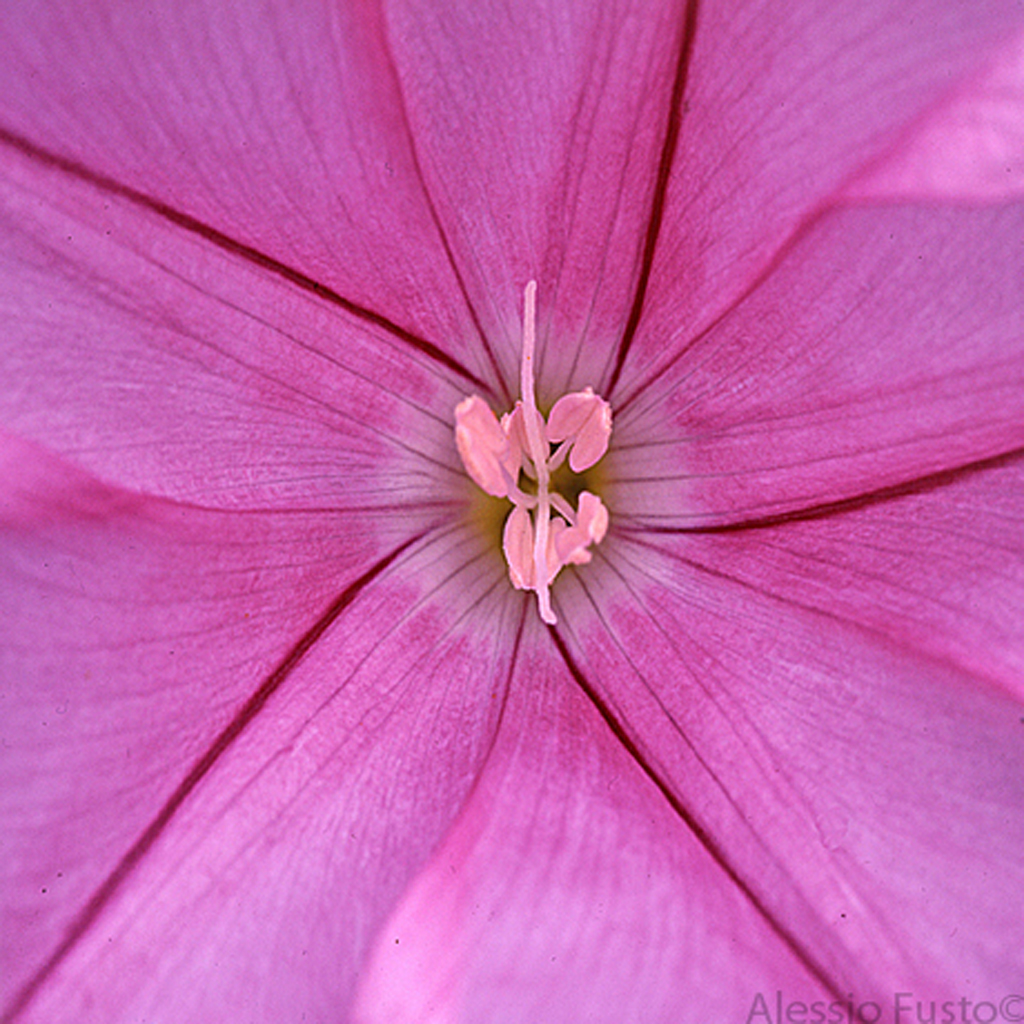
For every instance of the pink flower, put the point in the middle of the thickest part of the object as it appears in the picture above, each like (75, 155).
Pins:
(278, 739)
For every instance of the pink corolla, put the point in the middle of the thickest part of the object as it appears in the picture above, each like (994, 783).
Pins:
(280, 740)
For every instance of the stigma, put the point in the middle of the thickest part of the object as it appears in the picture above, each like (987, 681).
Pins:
(515, 458)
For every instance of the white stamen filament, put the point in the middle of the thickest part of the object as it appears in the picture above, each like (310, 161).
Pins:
(563, 508)
(517, 496)
(538, 451)
(560, 453)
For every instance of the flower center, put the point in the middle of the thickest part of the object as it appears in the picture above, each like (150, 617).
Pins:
(515, 459)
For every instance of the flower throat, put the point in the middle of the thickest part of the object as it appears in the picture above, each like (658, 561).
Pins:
(543, 531)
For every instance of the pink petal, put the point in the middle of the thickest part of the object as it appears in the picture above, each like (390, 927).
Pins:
(938, 571)
(279, 128)
(166, 365)
(538, 126)
(251, 867)
(135, 630)
(970, 147)
(569, 891)
(888, 345)
(865, 792)
(784, 105)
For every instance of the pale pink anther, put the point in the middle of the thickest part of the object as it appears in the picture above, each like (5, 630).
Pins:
(586, 419)
(518, 543)
(543, 532)
(591, 525)
(484, 447)
(514, 426)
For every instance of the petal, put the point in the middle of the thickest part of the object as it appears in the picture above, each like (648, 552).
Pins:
(869, 796)
(281, 129)
(166, 365)
(971, 147)
(569, 890)
(887, 346)
(157, 824)
(539, 128)
(135, 631)
(938, 571)
(784, 105)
